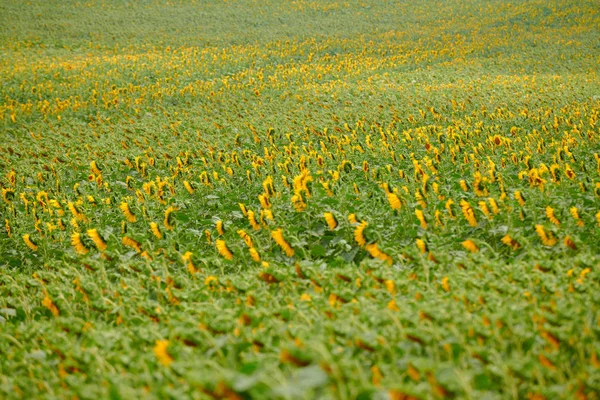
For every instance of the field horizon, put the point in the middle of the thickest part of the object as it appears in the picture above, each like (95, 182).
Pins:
(300, 199)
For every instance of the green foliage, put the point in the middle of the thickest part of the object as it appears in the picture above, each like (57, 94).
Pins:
(299, 199)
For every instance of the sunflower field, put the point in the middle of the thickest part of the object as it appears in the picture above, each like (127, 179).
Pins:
(298, 199)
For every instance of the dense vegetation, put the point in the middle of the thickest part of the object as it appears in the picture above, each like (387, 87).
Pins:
(296, 199)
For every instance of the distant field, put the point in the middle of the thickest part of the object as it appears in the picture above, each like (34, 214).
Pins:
(300, 199)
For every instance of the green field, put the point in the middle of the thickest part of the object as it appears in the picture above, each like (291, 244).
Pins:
(300, 199)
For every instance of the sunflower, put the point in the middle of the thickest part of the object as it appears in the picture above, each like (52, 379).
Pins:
(359, 233)
(78, 244)
(29, 242)
(129, 216)
(330, 219)
(421, 218)
(470, 245)
(155, 231)
(277, 235)
(223, 250)
(97, 239)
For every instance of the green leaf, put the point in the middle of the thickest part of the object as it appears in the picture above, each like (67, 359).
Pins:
(318, 250)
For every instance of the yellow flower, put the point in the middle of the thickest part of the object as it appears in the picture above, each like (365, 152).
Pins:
(167, 221)
(569, 172)
(569, 243)
(54, 203)
(330, 219)
(509, 241)
(129, 216)
(268, 186)
(547, 239)
(188, 187)
(390, 285)
(301, 182)
(187, 259)
(49, 304)
(208, 236)
(161, 353)
(448, 207)
(298, 202)
(519, 197)
(553, 169)
(438, 218)
(205, 179)
(29, 242)
(468, 212)
(463, 185)
(470, 245)
(268, 214)
(327, 189)
(352, 218)
(94, 168)
(551, 217)
(208, 281)
(484, 208)
(252, 219)
(223, 250)
(277, 235)
(386, 187)
(243, 208)
(391, 305)
(420, 198)
(78, 244)
(129, 242)
(76, 213)
(219, 226)
(359, 234)
(494, 205)
(421, 218)
(264, 201)
(477, 185)
(394, 201)
(333, 299)
(445, 284)
(261, 218)
(254, 254)
(575, 214)
(582, 275)
(305, 297)
(245, 237)
(375, 252)
(8, 194)
(97, 239)
(155, 231)
(421, 245)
